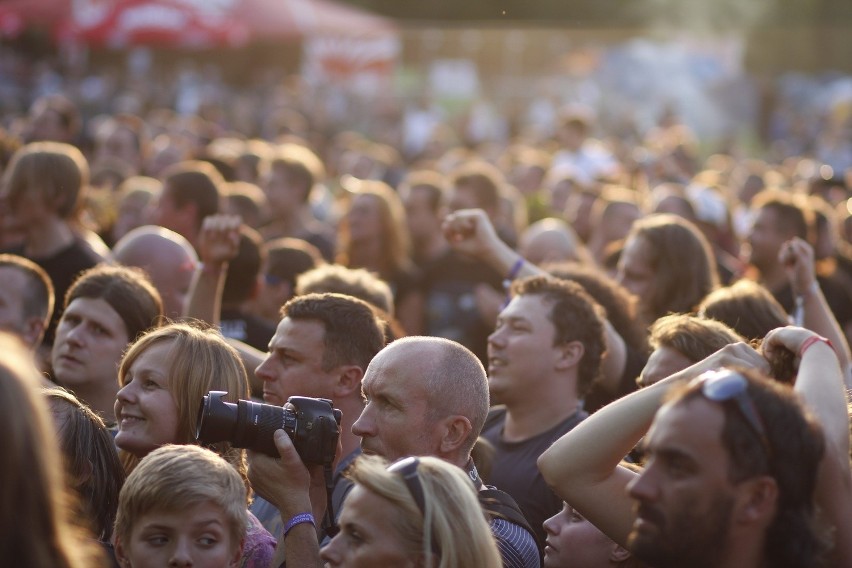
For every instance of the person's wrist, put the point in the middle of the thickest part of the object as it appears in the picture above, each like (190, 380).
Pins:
(810, 290)
(304, 518)
(811, 341)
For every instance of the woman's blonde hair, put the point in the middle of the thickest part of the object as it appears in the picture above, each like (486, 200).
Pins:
(201, 361)
(35, 506)
(452, 520)
(396, 244)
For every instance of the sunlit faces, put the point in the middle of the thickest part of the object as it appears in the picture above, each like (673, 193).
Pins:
(369, 535)
(364, 218)
(765, 239)
(635, 271)
(294, 365)
(663, 362)
(684, 497)
(423, 222)
(165, 211)
(197, 536)
(283, 195)
(574, 542)
(395, 421)
(145, 408)
(90, 339)
(522, 347)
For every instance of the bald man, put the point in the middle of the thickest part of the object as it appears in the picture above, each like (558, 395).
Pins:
(552, 240)
(167, 257)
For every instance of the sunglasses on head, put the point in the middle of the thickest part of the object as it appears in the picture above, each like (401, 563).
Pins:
(407, 468)
(729, 386)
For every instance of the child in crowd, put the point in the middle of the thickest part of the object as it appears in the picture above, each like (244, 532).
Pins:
(182, 506)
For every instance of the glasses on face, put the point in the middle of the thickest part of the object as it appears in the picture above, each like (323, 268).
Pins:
(725, 386)
(407, 468)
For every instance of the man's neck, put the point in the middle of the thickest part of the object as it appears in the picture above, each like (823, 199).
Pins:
(49, 238)
(100, 399)
(351, 410)
(774, 278)
(535, 415)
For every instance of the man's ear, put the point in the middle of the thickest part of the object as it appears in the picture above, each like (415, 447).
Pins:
(455, 430)
(33, 331)
(348, 381)
(618, 553)
(757, 500)
(570, 355)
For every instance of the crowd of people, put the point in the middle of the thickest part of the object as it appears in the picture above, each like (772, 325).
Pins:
(570, 351)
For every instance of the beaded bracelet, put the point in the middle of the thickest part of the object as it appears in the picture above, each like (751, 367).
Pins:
(298, 520)
(811, 340)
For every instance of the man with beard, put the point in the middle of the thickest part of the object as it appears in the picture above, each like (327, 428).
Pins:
(731, 467)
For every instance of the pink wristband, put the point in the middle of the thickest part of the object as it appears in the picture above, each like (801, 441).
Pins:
(810, 341)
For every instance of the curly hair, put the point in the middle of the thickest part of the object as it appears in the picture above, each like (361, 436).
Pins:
(575, 316)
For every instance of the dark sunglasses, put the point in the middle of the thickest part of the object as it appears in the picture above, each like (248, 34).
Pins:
(725, 386)
(407, 468)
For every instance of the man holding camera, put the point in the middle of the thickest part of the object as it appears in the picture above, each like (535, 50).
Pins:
(320, 349)
(425, 396)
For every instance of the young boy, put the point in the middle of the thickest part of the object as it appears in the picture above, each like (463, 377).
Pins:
(181, 506)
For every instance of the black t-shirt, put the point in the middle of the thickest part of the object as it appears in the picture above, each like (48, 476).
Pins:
(247, 328)
(598, 397)
(515, 470)
(839, 298)
(63, 267)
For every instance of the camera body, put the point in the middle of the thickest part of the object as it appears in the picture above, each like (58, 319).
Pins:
(313, 425)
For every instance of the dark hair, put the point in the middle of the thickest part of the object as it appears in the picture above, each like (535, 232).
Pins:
(69, 114)
(353, 332)
(127, 290)
(745, 306)
(92, 466)
(619, 305)
(38, 294)
(288, 258)
(681, 259)
(194, 182)
(793, 217)
(796, 445)
(431, 181)
(575, 317)
(244, 268)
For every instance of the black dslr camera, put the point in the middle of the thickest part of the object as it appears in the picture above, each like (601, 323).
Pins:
(312, 423)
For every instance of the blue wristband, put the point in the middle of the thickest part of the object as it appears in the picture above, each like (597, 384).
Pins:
(298, 520)
(513, 273)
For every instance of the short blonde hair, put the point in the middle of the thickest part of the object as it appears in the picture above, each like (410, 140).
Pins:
(450, 502)
(172, 478)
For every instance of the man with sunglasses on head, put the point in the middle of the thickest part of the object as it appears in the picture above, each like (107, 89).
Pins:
(732, 461)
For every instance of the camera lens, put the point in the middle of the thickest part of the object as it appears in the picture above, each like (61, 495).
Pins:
(256, 424)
